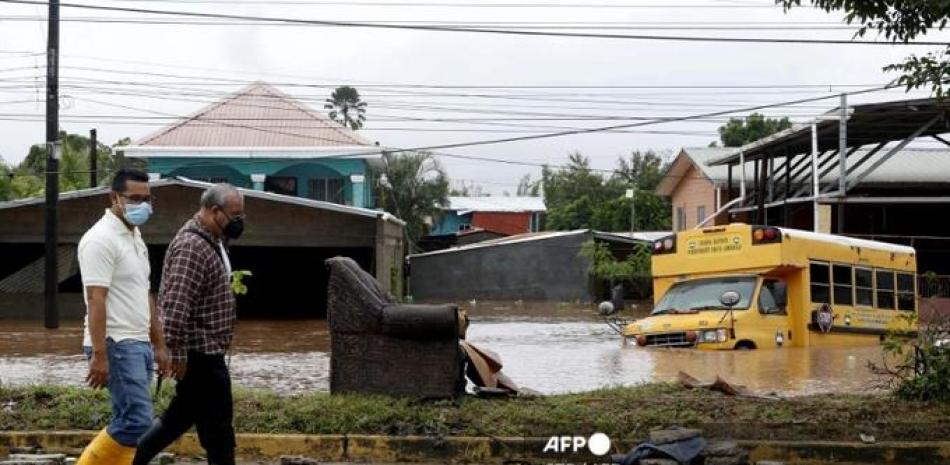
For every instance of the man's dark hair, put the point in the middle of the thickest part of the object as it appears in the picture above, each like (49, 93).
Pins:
(127, 174)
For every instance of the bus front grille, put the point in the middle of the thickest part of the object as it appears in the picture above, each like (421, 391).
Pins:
(668, 339)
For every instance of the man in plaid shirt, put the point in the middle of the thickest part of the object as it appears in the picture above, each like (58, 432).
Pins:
(198, 312)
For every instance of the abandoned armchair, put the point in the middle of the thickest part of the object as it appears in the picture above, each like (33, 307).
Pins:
(382, 347)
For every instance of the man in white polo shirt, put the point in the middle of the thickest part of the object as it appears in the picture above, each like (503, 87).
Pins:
(121, 320)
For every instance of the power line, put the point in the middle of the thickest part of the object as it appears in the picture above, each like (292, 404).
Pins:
(454, 4)
(476, 30)
(517, 25)
(375, 84)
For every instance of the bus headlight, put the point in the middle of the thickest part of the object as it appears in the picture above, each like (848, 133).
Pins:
(713, 335)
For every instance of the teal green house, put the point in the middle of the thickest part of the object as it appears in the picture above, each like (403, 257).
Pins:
(260, 138)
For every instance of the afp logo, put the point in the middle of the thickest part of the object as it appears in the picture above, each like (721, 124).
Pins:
(597, 443)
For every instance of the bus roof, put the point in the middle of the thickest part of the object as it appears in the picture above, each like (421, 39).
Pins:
(847, 241)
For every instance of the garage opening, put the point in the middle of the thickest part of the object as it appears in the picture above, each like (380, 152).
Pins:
(289, 282)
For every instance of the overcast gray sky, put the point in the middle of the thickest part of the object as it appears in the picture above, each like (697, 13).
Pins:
(109, 83)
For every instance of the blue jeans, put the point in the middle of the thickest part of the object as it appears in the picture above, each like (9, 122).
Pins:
(130, 373)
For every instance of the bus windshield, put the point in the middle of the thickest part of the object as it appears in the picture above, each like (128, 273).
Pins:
(703, 294)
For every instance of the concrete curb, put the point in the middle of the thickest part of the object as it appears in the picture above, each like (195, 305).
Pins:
(495, 450)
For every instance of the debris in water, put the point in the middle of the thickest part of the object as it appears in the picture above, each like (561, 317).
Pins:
(720, 385)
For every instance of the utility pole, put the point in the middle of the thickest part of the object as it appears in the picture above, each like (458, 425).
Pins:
(93, 159)
(632, 195)
(51, 314)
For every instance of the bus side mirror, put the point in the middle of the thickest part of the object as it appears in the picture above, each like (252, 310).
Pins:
(730, 298)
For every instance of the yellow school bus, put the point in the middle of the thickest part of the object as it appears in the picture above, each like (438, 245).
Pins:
(748, 287)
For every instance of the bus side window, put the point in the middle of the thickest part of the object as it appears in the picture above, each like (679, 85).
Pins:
(863, 287)
(843, 294)
(773, 297)
(884, 286)
(820, 283)
(905, 292)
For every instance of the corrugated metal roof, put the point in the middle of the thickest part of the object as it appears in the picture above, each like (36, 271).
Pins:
(258, 115)
(909, 166)
(318, 204)
(496, 204)
(536, 236)
(518, 238)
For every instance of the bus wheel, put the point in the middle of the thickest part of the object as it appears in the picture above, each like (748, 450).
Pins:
(745, 345)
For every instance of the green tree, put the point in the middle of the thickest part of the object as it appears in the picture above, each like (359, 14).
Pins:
(415, 189)
(644, 169)
(6, 181)
(576, 197)
(346, 107)
(740, 131)
(571, 193)
(900, 22)
(29, 176)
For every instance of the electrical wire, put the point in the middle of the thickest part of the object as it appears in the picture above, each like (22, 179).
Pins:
(394, 26)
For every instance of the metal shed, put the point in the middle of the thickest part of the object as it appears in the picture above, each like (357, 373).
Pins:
(284, 245)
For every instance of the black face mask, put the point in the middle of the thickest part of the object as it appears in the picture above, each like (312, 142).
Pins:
(234, 228)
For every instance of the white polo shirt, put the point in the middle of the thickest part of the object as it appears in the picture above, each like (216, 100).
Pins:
(112, 256)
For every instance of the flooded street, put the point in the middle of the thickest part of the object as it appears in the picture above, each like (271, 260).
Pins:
(570, 352)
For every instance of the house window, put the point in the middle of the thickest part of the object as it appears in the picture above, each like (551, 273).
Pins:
(820, 283)
(326, 189)
(843, 285)
(680, 218)
(863, 287)
(905, 292)
(885, 289)
(700, 214)
(286, 185)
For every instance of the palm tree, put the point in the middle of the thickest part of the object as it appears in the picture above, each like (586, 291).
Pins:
(415, 188)
(346, 107)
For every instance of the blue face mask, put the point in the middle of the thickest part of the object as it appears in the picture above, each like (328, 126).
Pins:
(137, 214)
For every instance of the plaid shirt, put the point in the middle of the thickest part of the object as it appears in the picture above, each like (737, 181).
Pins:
(195, 299)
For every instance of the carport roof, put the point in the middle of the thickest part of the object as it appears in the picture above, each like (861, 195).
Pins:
(868, 123)
(270, 196)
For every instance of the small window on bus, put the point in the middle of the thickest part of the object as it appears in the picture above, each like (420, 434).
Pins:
(863, 287)
(820, 283)
(843, 285)
(885, 289)
(905, 292)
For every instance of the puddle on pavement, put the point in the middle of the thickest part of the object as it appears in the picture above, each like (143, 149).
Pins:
(572, 351)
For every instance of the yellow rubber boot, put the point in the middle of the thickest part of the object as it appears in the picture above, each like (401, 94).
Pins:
(103, 450)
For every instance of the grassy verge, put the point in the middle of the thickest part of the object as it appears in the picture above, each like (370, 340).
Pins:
(619, 412)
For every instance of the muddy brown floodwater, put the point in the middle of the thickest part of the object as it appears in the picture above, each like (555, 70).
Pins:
(570, 351)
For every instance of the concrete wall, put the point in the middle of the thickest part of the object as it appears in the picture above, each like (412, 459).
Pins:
(540, 270)
(694, 190)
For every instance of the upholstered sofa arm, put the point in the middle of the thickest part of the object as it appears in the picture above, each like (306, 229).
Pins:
(421, 322)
